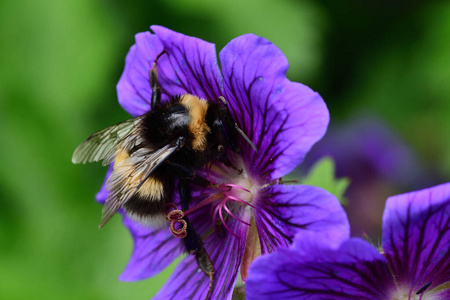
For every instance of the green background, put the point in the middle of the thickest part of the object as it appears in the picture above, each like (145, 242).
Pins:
(60, 62)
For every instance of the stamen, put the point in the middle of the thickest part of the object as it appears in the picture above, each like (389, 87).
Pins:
(423, 289)
(224, 188)
(235, 186)
(169, 207)
(223, 196)
(281, 181)
(203, 203)
(246, 138)
(227, 197)
(225, 224)
(214, 214)
(231, 214)
(176, 216)
(278, 181)
(179, 233)
(240, 200)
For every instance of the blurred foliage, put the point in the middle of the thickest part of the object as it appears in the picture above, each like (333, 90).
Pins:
(322, 174)
(60, 61)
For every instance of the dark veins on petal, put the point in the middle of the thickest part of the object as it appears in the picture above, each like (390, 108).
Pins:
(408, 259)
(161, 246)
(178, 59)
(153, 251)
(209, 90)
(337, 279)
(246, 112)
(276, 227)
(188, 282)
(179, 82)
(134, 62)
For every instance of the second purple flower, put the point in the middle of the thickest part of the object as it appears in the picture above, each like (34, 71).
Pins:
(414, 263)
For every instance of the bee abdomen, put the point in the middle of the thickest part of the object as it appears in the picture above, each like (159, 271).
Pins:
(148, 204)
(149, 213)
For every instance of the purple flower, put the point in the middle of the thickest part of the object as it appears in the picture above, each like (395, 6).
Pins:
(379, 163)
(247, 211)
(377, 152)
(414, 262)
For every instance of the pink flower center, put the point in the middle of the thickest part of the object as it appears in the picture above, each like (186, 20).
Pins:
(230, 191)
(224, 194)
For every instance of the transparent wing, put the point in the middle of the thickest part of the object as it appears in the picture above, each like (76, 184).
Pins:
(103, 143)
(129, 175)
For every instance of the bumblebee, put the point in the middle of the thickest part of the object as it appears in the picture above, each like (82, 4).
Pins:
(155, 152)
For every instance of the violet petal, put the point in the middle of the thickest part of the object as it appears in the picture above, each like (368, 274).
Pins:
(317, 269)
(284, 210)
(102, 195)
(133, 89)
(193, 65)
(154, 250)
(282, 118)
(416, 236)
(225, 251)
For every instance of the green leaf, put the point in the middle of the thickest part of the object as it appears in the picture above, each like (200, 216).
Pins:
(322, 174)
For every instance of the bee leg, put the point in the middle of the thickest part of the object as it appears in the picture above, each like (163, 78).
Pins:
(226, 116)
(192, 241)
(154, 83)
(186, 173)
(223, 158)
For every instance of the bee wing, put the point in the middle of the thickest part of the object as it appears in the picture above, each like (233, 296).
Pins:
(103, 143)
(129, 175)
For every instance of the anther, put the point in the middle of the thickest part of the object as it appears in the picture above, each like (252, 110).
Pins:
(176, 217)
(179, 233)
(424, 288)
(168, 208)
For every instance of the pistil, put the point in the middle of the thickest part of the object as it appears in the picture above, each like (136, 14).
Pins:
(225, 193)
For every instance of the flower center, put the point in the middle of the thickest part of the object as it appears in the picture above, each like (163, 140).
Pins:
(224, 196)
(404, 293)
(231, 195)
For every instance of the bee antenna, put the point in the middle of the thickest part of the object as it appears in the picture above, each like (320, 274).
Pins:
(242, 133)
(239, 130)
(157, 57)
(154, 83)
(224, 101)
